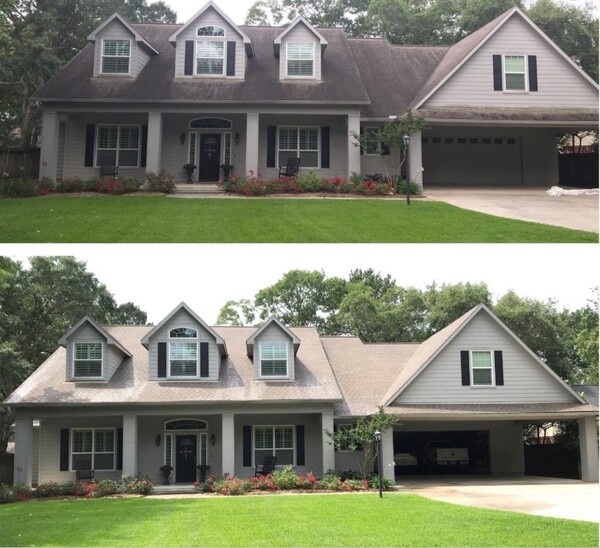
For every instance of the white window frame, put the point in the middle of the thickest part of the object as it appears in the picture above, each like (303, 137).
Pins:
(525, 73)
(492, 368)
(190, 340)
(273, 448)
(312, 76)
(93, 452)
(119, 149)
(287, 360)
(299, 150)
(103, 55)
(73, 353)
(216, 39)
(379, 148)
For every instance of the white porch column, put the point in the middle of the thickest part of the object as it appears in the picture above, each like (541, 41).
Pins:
(130, 435)
(251, 143)
(328, 448)
(154, 145)
(228, 444)
(23, 471)
(387, 452)
(353, 148)
(415, 159)
(588, 448)
(49, 150)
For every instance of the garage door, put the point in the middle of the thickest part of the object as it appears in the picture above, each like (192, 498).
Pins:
(471, 160)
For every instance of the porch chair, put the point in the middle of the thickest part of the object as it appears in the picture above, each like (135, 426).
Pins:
(109, 171)
(291, 169)
(84, 475)
(268, 467)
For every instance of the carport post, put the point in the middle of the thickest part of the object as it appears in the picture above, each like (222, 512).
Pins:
(588, 448)
(379, 462)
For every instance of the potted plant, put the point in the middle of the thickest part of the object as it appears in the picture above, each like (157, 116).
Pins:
(189, 169)
(166, 470)
(203, 469)
(227, 169)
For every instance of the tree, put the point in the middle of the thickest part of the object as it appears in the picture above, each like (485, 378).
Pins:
(38, 304)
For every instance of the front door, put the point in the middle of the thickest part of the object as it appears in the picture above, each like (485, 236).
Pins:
(185, 458)
(210, 157)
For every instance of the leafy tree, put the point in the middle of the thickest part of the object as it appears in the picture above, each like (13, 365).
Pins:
(38, 304)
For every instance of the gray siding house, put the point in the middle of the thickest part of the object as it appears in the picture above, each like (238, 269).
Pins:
(148, 97)
(128, 399)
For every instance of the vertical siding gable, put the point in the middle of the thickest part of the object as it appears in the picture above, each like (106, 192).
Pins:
(300, 33)
(273, 333)
(472, 84)
(115, 30)
(524, 380)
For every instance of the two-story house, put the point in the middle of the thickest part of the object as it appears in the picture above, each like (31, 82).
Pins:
(209, 92)
(129, 399)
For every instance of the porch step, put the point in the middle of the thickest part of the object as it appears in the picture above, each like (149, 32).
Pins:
(204, 189)
(176, 489)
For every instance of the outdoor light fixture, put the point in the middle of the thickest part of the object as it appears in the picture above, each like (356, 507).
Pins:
(406, 140)
(236, 138)
(157, 440)
(379, 462)
(182, 138)
(213, 439)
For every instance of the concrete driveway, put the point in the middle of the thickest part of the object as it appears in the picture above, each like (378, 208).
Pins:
(526, 203)
(553, 497)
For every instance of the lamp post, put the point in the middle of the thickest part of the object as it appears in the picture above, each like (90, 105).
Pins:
(406, 140)
(379, 462)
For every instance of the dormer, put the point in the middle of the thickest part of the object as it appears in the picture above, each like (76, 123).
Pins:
(93, 355)
(183, 347)
(210, 45)
(120, 51)
(272, 349)
(299, 48)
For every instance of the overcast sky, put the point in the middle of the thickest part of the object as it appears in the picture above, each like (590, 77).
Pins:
(158, 277)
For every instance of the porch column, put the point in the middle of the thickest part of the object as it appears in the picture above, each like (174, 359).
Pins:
(588, 448)
(353, 148)
(228, 449)
(130, 435)
(387, 452)
(251, 143)
(23, 471)
(328, 448)
(415, 158)
(154, 144)
(49, 150)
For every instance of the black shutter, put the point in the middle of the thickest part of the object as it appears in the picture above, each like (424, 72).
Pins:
(162, 359)
(119, 449)
(188, 69)
(385, 149)
(144, 146)
(64, 449)
(499, 367)
(230, 58)
(204, 359)
(464, 368)
(325, 147)
(247, 445)
(532, 64)
(271, 138)
(90, 137)
(300, 459)
(497, 60)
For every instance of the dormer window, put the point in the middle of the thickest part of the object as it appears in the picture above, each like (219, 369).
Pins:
(87, 360)
(515, 78)
(300, 60)
(183, 354)
(115, 56)
(210, 30)
(482, 368)
(273, 359)
(210, 54)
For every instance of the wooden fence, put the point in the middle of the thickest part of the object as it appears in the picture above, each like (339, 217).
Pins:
(19, 162)
(6, 469)
(578, 170)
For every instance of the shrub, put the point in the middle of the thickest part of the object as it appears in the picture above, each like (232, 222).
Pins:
(401, 187)
(68, 489)
(19, 187)
(91, 184)
(6, 494)
(234, 487)
(48, 489)
(285, 478)
(85, 489)
(137, 486)
(263, 483)
(307, 482)
(309, 182)
(69, 185)
(107, 487)
(22, 492)
(386, 483)
(355, 485)
(162, 182)
(330, 482)
(46, 186)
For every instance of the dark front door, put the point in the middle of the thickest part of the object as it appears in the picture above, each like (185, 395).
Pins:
(185, 458)
(210, 156)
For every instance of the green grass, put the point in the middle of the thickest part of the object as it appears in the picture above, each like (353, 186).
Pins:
(159, 219)
(284, 520)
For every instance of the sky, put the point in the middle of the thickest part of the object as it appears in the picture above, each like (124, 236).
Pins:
(158, 277)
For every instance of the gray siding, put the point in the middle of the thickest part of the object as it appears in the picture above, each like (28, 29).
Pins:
(86, 333)
(211, 17)
(35, 458)
(273, 333)
(524, 380)
(300, 34)
(115, 30)
(115, 358)
(183, 319)
(472, 84)
(60, 164)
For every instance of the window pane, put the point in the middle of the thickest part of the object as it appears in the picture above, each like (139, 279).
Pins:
(284, 156)
(84, 351)
(288, 139)
(211, 31)
(107, 136)
(82, 462)
(106, 158)
(104, 441)
(284, 437)
(259, 456)
(183, 332)
(482, 359)
(515, 81)
(514, 63)
(309, 159)
(263, 437)
(128, 158)
(130, 137)
(104, 462)
(115, 65)
(482, 376)
(285, 456)
(82, 441)
(309, 139)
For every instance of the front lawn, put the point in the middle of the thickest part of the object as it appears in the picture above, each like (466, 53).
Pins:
(139, 219)
(280, 520)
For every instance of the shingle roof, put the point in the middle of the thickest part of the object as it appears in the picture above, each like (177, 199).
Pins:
(531, 409)
(510, 114)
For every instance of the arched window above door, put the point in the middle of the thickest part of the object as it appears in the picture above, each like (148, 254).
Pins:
(210, 123)
(186, 424)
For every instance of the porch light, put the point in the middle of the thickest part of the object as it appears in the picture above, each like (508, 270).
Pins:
(406, 140)
(236, 138)
(157, 440)
(213, 439)
(379, 462)
(182, 138)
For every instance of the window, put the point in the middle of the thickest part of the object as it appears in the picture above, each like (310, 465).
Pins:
(183, 356)
(210, 30)
(93, 449)
(277, 441)
(515, 73)
(373, 147)
(300, 60)
(210, 57)
(345, 446)
(87, 360)
(115, 56)
(299, 142)
(273, 359)
(118, 146)
(481, 368)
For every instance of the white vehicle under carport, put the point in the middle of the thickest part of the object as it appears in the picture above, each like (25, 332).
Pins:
(443, 453)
